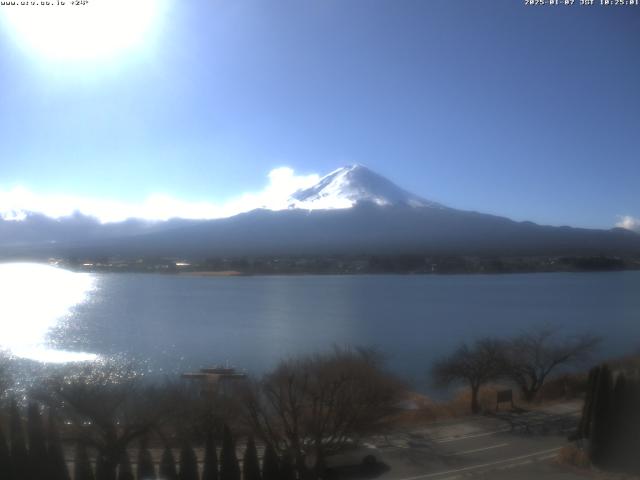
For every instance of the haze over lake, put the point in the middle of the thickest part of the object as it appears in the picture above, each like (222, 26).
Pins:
(178, 323)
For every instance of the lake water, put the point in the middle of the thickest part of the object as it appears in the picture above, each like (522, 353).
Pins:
(179, 323)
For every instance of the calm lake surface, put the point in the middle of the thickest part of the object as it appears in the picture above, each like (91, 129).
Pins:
(179, 323)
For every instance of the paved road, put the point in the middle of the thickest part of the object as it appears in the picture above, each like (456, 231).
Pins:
(515, 446)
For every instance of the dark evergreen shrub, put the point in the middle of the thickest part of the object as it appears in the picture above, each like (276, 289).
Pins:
(625, 425)
(619, 418)
(250, 464)
(19, 454)
(634, 428)
(5, 458)
(168, 465)
(188, 463)
(287, 471)
(600, 429)
(210, 471)
(82, 466)
(229, 468)
(37, 443)
(587, 408)
(270, 464)
(145, 469)
(55, 452)
(125, 472)
(103, 471)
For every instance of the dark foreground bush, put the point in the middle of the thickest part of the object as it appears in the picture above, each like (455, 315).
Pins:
(611, 420)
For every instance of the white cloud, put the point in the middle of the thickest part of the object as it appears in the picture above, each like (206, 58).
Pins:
(629, 222)
(283, 182)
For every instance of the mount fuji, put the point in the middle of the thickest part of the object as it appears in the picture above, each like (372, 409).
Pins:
(352, 210)
(349, 186)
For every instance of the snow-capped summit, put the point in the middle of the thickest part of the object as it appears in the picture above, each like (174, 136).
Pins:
(350, 185)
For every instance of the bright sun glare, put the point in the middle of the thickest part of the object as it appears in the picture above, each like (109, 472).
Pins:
(66, 30)
(26, 322)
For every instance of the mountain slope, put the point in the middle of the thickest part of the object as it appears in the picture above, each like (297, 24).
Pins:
(366, 229)
(350, 211)
(38, 229)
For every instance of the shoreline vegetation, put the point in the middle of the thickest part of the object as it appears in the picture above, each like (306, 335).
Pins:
(104, 418)
(351, 265)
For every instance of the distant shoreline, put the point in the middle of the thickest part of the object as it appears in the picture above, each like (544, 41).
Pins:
(235, 273)
(224, 273)
(407, 264)
(356, 274)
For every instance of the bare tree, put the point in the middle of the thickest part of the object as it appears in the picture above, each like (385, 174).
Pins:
(186, 411)
(533, 355)
(314, 405)
(192, 413)
(474, 364)
(107, 409)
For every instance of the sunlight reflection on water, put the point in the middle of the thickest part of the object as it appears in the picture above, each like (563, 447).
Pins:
(35, 299)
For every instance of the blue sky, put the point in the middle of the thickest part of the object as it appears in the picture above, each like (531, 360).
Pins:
(527, 112)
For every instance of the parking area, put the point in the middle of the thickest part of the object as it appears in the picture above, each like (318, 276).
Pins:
(514, 445)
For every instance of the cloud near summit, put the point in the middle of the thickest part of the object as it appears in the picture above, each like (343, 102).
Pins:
(16, 202)
(629, 222)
